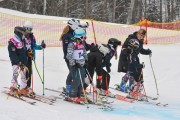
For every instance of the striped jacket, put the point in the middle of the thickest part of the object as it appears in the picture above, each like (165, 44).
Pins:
(76, 53)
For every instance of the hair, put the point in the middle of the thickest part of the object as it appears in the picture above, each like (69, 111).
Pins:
(65, 30)
(142, 31)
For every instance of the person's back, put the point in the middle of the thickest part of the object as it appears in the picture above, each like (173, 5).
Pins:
(95, 62)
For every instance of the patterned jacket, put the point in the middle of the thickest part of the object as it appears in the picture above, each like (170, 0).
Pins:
(76, 53)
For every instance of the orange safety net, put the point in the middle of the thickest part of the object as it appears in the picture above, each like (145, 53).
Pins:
(49, 29)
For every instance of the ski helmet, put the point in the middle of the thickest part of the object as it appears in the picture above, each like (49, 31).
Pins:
(134, 44)
(73, 23)
(114, 42)
(79, 33)
(19, 31)
(83, 24)
(28, 26)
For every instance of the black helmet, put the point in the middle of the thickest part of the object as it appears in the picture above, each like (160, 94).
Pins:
(19, 31)
(114, 42)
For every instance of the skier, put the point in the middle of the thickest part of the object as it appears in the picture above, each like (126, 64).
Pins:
(31, 46)
(18, 57)
(67, 37)
(123, 62)
(108, 52)
(134, 72)
(76, 54)
(94, 63)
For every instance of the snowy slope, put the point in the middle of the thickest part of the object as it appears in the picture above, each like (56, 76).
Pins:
(165, 60)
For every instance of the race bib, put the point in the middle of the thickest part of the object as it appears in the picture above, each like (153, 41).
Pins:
(78, 55)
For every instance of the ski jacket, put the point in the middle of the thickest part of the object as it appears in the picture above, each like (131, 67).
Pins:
(17, 51)
(106, 59)
(66, 39)
(31, 44)
(76, 53)
(95, 60)
(134, 67)
(123, 64)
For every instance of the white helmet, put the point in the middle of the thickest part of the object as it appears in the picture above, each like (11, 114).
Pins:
(79, 33)
(73, 23)
(83, 24)
(28, 25)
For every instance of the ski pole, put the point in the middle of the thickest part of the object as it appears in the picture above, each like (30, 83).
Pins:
(85, 96)
(43, 68)
(97, 93)
(93, 31)
(154, 75)
(38, 72)
(92, 84)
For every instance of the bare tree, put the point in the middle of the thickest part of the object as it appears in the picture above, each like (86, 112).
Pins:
(44, 7)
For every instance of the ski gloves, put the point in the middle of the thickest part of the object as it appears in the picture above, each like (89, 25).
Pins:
(149, 52)
(21, 65)
(43, 45)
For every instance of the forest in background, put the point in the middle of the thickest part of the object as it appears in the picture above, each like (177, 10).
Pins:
(116, 11)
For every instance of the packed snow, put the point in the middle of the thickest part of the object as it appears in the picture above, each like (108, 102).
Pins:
(165, 61)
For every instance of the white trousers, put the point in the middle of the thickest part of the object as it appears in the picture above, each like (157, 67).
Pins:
(22, 82)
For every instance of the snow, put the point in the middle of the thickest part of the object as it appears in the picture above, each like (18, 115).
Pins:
(165, 61)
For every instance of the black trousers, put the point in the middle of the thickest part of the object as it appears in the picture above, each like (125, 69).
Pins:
(105, 81)
(29, 73)
(69, 76)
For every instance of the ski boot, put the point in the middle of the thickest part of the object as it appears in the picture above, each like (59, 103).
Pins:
(74, 100)
(67, 90)
(123, 87)
(13, 91)
(107, 93)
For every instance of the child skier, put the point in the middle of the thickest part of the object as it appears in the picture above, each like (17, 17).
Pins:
(108, 52)
(31, 46)
(18, 57)
(76, 55)
(67, 37)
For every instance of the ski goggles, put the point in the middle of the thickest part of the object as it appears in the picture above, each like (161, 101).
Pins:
(29, 30)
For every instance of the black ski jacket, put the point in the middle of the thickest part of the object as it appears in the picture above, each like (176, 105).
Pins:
(123, 64)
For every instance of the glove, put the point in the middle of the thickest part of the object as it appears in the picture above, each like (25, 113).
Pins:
(86, 65)
(21, 65)
(149, 52)
(143, 65)
(30, 54)
(108, 70)
(43, 45)
(78, 65)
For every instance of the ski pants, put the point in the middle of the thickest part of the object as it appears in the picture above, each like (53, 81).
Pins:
(105, 81)
(76, 87)
(28, 75)
(69, 77)
(14, 81)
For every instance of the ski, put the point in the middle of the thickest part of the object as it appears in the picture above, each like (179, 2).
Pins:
(105, 105)
(142, 95)
(53, 90)
(80, 103)
(124, 98)
(39, 98)
(19, 98)
(155, 103)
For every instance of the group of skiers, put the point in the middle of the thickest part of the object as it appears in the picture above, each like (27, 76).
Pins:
(82, 60)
